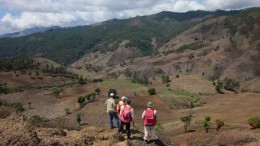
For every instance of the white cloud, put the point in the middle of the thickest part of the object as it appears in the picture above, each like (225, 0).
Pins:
(82, 12)
(230, 4)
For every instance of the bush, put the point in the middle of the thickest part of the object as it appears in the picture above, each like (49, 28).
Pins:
(254, 122)
(165, 78)
(36, 119)
(177, 76)
(98, 80)
(18, 106)
(78, 118)
(231, 84)
(186, 120)
(56, 91)
(97, 91)
(206, 123)
(151, 91)
(81, 100)
(219, 124)
(112, 91)
(81, 81)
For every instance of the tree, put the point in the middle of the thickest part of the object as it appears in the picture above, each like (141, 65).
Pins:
(97, 91)
(151, 91)
(186, 120)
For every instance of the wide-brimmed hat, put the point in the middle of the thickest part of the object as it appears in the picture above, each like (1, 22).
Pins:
(150, 104)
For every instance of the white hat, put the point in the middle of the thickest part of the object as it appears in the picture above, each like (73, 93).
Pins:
(112, 94)
(123, 98)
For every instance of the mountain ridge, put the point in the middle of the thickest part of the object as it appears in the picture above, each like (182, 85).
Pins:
(69, 44)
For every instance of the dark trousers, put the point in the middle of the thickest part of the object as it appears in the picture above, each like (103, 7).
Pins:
(127, 128)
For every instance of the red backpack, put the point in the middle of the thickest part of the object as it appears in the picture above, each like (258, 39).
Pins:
(149, 119)
(126, 114)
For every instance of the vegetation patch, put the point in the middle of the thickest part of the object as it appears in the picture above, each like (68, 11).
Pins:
(254, 122)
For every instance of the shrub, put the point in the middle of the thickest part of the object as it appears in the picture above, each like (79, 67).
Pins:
(56, 91)
(18, 106)
(78, 118)
(98, 80)
(254, 122)
(81, 100)
(219, 86)
(97, 91)
(151, 91)
(177, 76)
(219, 124)
(81, 81)
(186, 120)
(165, 78)
(231, 84)
(112, 91)
(36, 119)
(206, 123)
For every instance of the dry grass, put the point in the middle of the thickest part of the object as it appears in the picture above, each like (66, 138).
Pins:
(235, 138)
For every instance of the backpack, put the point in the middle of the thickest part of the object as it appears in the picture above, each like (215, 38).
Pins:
(118, 108)
(126, 114)
(149, 119)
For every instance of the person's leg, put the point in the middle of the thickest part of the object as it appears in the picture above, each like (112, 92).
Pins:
(145, 133)
(153, 133)
(111, 120)
(117, 120)
(128, 130)
(120, 129)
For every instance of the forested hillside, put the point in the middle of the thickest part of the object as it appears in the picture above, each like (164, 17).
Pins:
(69, 44)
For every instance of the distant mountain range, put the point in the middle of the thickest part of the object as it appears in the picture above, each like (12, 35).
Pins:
(144, 33)
(29, 32)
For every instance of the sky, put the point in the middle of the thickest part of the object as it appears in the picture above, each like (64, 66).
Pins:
(18, 15)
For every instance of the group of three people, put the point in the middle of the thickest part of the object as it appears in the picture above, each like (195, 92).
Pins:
(123, 114)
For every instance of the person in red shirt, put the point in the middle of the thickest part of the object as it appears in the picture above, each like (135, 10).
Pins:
(149, 117)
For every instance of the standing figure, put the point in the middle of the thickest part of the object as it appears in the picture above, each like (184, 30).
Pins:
(111, 106)
(126, 117)
(149, 117)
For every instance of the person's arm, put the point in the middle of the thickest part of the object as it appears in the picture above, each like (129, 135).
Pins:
(106, 104)
(121, 110)
(143, 115)
(155, 113)
(132, 115)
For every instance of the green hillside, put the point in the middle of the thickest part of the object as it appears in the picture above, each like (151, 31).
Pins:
(69, 44)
